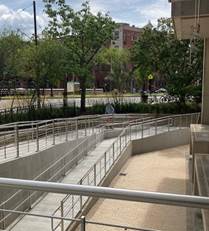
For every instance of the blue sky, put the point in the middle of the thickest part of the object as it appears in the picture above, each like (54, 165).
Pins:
(18, 13)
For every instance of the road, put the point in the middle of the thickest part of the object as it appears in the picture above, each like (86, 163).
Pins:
(59, 101)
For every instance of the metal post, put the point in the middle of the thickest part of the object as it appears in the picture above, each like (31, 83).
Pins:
(95, 175)
(130, 131)
(5, 148)
(83, 223)
(113, 152)
(142, 130)
(105, 162)
(37, 138)
(53, 132)
(17, 140)
(85, 129)
(72, 202)
(81, 199)
(155, 127)
(168, 124)
(66, 130)
(187, 125)
(62, 215)
(120, 144)
(92, 126)
(46, 132)
(76, 128)
(89, 123)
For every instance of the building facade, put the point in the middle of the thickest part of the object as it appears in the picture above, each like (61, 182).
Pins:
(125, 35)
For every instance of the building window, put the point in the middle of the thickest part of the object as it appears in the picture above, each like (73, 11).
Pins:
(116, 35)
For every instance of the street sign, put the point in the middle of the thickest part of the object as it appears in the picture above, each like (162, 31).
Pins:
(150, 77)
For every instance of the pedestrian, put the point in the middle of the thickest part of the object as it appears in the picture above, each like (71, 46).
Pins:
(109, 110)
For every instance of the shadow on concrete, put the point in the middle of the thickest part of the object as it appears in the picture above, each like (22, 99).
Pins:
(169, 218)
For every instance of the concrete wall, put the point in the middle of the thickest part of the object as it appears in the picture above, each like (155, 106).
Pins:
(161, 141)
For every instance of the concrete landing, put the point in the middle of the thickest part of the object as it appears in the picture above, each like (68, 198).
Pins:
(52, 201)
(161, 171)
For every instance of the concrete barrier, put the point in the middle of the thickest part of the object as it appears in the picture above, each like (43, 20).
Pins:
(161, 141)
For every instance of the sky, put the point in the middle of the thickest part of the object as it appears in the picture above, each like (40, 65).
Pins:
(17, 14)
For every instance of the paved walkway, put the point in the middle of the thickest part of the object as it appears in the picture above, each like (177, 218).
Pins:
(52, 201)
(29, 146)
(162, 171)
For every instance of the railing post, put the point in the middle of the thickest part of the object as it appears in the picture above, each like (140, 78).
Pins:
(62, 215)
(105, 162)
(95, 175)
(125, 137)
(142, 132)
(46, 132)
(120, 144)
(92, 126)
(66, 130)
(17, 141)
(76, 128)
(5, 148)
(37, 137)
(85, 129)
(130, 131)
(113, 152)
(81, 199)
(53, 132)
(83, 223)
(168, 124)
(155, 127)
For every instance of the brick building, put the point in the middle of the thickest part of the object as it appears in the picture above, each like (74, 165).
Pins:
(124, 37)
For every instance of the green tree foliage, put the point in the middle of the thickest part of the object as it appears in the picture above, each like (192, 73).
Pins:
(10, 43)
(82, 32)
(119, 62)
(159, 52)
(43, 63)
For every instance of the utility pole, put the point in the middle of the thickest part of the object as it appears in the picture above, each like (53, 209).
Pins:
(35, 23)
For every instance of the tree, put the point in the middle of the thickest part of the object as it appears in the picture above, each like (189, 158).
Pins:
(159, 52)
(45, 62)
(83, 33)
(119, 62)
(10, 43)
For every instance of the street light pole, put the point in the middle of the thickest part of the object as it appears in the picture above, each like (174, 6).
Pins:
(35, 23)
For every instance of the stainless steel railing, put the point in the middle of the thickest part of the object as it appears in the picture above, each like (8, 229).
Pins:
(54, 172)
(72, 205)
(18, 139)
(104, 192)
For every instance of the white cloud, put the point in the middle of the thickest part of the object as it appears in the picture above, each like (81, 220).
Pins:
(154, 11)
(19, 19)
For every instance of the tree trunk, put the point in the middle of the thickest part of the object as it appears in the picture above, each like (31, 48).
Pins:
(51, 91)
(83, 93)
(38, 97)
(65, 93)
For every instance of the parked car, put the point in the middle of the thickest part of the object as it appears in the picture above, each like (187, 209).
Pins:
(161, 90)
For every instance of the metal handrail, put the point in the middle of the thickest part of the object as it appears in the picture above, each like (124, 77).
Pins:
(126, 132)
(126, 135)
(76, 220)
(108, 193)
(55, 175)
